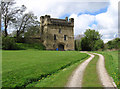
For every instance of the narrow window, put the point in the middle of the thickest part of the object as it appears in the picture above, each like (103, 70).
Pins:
(65, 37)
(59, 30)
(41, 31)
(54, 37)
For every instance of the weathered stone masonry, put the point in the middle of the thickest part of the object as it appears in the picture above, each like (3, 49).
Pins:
(57, 33)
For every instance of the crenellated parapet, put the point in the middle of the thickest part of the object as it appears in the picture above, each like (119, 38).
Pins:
(47, 20)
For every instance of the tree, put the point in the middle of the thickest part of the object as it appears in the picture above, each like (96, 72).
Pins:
(91, 41)
(113, 44)
(78, 44)
(99, 44)
(32, 31)
(25, 22)
(116, 43)
(10, 13)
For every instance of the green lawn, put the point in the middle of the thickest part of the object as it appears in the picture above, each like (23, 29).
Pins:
(26, 68)
(90, 78)
(58, 79)
(111, 64)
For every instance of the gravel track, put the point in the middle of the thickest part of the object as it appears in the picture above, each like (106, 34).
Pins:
(105, 79)
(76, 77)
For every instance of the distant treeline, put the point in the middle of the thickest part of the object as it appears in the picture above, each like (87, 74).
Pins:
(92, 42)
(113, 44)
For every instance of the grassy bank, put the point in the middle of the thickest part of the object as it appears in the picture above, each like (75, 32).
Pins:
(90, 78)
(24, 67)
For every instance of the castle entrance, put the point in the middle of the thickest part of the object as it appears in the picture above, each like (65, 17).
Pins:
(61, 47)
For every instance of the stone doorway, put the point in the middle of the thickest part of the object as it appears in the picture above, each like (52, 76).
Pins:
(61, 47)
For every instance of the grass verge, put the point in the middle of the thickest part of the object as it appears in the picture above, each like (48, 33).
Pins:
(90, 78)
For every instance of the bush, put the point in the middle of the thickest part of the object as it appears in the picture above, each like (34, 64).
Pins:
(113, 44)
(9, 43)
(21, 46)
(38, 46)
(78, 45)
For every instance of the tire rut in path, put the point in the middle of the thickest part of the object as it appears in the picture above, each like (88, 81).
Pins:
(76, 77)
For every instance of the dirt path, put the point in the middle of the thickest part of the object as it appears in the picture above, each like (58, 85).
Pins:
(105, 79)
(76, 78)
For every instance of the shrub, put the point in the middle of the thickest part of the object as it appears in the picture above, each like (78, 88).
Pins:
(9, 43)
(38, 46)
(113, 44)
(21, 46)
(78, 45)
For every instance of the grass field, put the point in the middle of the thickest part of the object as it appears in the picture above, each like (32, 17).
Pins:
(58, 79)
(111, 64)
(90, 78)
(26, 68)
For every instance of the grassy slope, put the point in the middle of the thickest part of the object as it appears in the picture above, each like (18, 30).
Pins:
(90, 78)
(111, 64)
(21, 68)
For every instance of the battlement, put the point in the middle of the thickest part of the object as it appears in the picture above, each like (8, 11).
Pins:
(47, 20)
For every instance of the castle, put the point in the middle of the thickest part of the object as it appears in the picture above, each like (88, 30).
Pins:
(57, 34)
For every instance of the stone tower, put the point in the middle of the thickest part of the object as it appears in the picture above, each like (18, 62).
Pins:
(57, 34)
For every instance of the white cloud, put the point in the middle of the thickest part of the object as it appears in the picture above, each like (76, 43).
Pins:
(81, 22)
(107, 23)
(58, 8)
(106, 40)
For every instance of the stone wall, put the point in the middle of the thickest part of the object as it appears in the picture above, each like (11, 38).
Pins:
(51, 27)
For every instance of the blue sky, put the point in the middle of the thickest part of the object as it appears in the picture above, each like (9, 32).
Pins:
(101, 10)
(2, 27)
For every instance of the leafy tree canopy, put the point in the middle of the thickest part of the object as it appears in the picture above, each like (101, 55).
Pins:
(92, 40)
